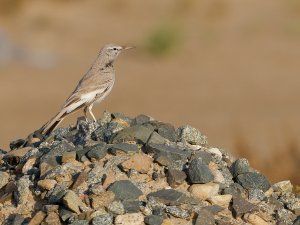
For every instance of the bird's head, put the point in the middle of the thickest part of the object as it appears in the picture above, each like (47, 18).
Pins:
(111, 51)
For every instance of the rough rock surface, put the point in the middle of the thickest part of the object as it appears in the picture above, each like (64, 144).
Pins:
(127, 171)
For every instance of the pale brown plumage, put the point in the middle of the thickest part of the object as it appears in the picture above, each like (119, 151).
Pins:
(95, 85)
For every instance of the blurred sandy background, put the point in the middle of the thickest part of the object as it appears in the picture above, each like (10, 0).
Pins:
(228, 67)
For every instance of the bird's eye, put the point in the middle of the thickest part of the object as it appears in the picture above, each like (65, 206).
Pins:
(115, 49)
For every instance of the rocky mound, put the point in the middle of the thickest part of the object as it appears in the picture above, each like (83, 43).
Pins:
(136, 171)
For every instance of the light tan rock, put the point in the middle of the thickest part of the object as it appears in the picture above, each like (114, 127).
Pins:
(69, 157)
(19, 152)
(204, 191)
(4, 178)
(47, 184)
(130, 219)
(28, 165)
(72, 201)
(52, 219)
(38, 218)
(221, 200)
(103, 199)
(254, 219)
(139, 162)
(283, 186)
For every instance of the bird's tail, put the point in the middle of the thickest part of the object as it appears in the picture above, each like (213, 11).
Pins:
(48, 127)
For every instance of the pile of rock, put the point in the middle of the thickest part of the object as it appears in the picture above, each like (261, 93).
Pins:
(136, 171)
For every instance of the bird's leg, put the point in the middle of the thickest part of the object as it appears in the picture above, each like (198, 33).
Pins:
(85, 113)
(90, 111)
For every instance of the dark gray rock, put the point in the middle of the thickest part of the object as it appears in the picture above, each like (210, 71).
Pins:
(158, 211)
(253, 180)
(58, 150)
(169, 196)
(57, 194)
(153, 220)
(240, 166)
(167, 149)
(17, 220)
(167, 159)
(125, 190)
(80, 222)
(135, 133)
(167, 131)
(141, 119)
(65, 214)
(199, 173)
(214, 209)
(123, 147)
(191, 135)
(155, 138)
(97, 151)
(297, 221)
(205, 218)
(175, 177)
(205, 156)
(131, 206)
(106, 219)
(241, 206)
(16, 144)
(234, 189)
(81, 151)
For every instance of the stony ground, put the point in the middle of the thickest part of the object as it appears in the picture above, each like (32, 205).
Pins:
(138, 171)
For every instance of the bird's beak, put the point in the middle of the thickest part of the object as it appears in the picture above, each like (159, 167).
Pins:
(127, 47)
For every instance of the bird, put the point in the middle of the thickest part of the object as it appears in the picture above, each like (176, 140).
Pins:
(93, 87)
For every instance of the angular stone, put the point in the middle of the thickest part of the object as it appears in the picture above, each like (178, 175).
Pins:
(155, 138)
(22, 193)
(130, 219)
(81, 152)
(175, 177)
(241, 206)
(234, 189)
(167, 150)
(139, 162)
(240, 166)
(167, 159)
(98, 151)
(135, 133)
(221, 200)
(80, 222)
(177, 212)
(205, 218)
(125, 190)
(57, 193)
(205, 156)
(131, 206)
(58, 150)
(116, 208)
(47, 184)
(18, 220)
(103, 199)
(52, 218)
(68, 157)
(72, 201)
(253, 180)
(191, 135)
(65, 214)
(47, 165)
(198, 172)
(141, 119)
(282, 186)
(82, 177)
(169, 196)
(254, 219)
(153, 220)
(4, 178)
(106, 219)
(38, 218)
(214, 209)
(123, 148)
(167, 131)
(16, 144)
(204, 191)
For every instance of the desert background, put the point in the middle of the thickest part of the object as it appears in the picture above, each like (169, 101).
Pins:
(229, 68)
